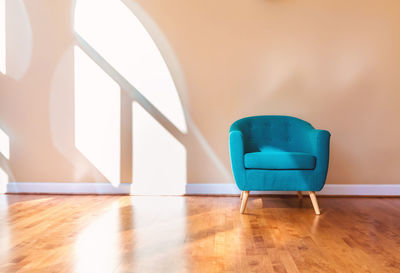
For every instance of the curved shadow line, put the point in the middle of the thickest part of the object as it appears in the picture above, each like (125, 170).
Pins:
(166, 51)
(207, 147)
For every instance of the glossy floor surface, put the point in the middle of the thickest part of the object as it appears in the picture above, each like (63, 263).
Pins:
(197, 234)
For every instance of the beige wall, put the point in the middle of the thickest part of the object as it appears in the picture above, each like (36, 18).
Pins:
(333, 63)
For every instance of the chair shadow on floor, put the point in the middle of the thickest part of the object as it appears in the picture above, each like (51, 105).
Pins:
(277, 202)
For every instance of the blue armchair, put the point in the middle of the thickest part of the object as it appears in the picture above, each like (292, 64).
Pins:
(278, 153)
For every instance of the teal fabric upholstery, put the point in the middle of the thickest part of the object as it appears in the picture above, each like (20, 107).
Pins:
(278, 153)
(279, 161)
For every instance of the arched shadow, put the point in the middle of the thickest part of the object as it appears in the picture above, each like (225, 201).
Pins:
(176, 134)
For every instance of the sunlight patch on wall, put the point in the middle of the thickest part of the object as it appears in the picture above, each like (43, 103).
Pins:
(159, 159)
(97, 116)
(4, 144)
(118, 36)
(17, 39)
(3, 181)
(3, 36)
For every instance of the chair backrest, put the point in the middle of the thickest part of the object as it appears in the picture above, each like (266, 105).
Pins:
(274, 133)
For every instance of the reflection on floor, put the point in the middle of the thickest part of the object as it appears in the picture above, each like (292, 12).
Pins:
(197, 234)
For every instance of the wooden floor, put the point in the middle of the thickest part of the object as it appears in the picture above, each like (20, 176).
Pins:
(197, 234)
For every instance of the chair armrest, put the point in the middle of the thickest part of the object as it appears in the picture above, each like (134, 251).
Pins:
(236, 150)
(319, 140)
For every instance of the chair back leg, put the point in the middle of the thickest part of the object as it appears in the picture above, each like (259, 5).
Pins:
(299, 195)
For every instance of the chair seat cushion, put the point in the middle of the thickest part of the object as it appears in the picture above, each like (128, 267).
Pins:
(279, 161)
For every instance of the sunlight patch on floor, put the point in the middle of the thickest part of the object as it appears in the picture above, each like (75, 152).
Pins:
(98, 245)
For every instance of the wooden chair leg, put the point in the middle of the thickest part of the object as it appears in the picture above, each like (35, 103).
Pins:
(299, 195)
(244, 201)
(314, 202)
(241, 195)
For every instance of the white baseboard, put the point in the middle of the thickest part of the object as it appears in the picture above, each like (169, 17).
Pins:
(194, 189)
(67, 188)
(329, 189)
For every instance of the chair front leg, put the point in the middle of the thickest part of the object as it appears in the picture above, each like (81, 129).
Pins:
(314, 202)
(244, 201)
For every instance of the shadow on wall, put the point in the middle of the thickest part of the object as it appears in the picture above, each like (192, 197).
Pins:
(129, 122)
(15, 56)
(97, 125)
